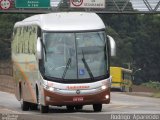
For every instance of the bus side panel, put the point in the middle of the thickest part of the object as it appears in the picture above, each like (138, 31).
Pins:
(25, 69)
(16, 79)
(25, 80)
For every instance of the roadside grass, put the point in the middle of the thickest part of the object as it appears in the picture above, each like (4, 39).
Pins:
(156, 95)
(153, 85)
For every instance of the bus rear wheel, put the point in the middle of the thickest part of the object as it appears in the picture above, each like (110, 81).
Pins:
(25, 105)
(97, 107)
(33, 106)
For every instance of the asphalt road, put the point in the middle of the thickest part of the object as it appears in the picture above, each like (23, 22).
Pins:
(120, 104)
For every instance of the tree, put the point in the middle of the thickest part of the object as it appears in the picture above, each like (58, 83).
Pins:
(7, 22)
(137, 38)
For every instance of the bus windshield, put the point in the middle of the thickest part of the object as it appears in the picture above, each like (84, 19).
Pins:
(75, 56)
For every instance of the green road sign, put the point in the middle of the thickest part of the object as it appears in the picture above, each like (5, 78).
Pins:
(32, 3)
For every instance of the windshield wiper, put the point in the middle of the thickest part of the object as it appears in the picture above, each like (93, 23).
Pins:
(87, 67)
(67, 66)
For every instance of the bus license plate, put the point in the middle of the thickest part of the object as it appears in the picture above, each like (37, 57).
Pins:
(78, 99)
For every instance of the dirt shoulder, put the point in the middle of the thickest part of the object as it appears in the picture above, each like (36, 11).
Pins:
(6, 84)
(140, 90)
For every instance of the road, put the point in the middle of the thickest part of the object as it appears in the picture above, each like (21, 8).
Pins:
(120, 103)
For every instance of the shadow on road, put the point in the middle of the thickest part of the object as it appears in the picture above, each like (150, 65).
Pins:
(54, 109)
(64, 110)
(115, 90)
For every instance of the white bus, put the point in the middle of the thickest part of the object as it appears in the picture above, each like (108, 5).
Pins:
(62, 59)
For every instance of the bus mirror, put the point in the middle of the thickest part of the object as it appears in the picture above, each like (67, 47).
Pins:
(39, 48)
(112, 46)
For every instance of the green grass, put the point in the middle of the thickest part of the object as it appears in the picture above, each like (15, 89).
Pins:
(154, 85)
(156, 95)
(151, 84)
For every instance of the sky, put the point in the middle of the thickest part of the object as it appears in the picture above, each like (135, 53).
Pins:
(54, 3)
(139, 4)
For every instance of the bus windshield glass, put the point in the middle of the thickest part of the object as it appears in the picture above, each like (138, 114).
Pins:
(75, 56)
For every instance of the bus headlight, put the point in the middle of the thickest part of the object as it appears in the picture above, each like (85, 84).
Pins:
(48, 98)
(107, 96)
(48, 86)
(104, 87)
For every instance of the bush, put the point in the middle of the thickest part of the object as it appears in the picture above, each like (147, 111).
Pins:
(151, 84)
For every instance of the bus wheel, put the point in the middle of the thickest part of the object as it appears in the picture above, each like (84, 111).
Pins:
(78, 107)
(44, 109)
(70, 108)
(33, 106)
(97, 107)
(25, 105)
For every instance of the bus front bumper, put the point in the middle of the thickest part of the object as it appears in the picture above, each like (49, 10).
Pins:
(54, 99)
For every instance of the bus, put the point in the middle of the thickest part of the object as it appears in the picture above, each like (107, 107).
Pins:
(121, 79)
(62, 59)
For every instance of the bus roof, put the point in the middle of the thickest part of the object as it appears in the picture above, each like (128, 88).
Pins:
(64, 21)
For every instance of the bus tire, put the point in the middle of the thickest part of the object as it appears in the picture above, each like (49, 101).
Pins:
(78, 107)
(44, 109)
(20, 91)
(25, 105)
(33, 106)
(70, 108)
(97, 107)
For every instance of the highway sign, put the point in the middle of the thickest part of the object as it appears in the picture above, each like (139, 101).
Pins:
(5, 4)
(32, 3)
(87, 3)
